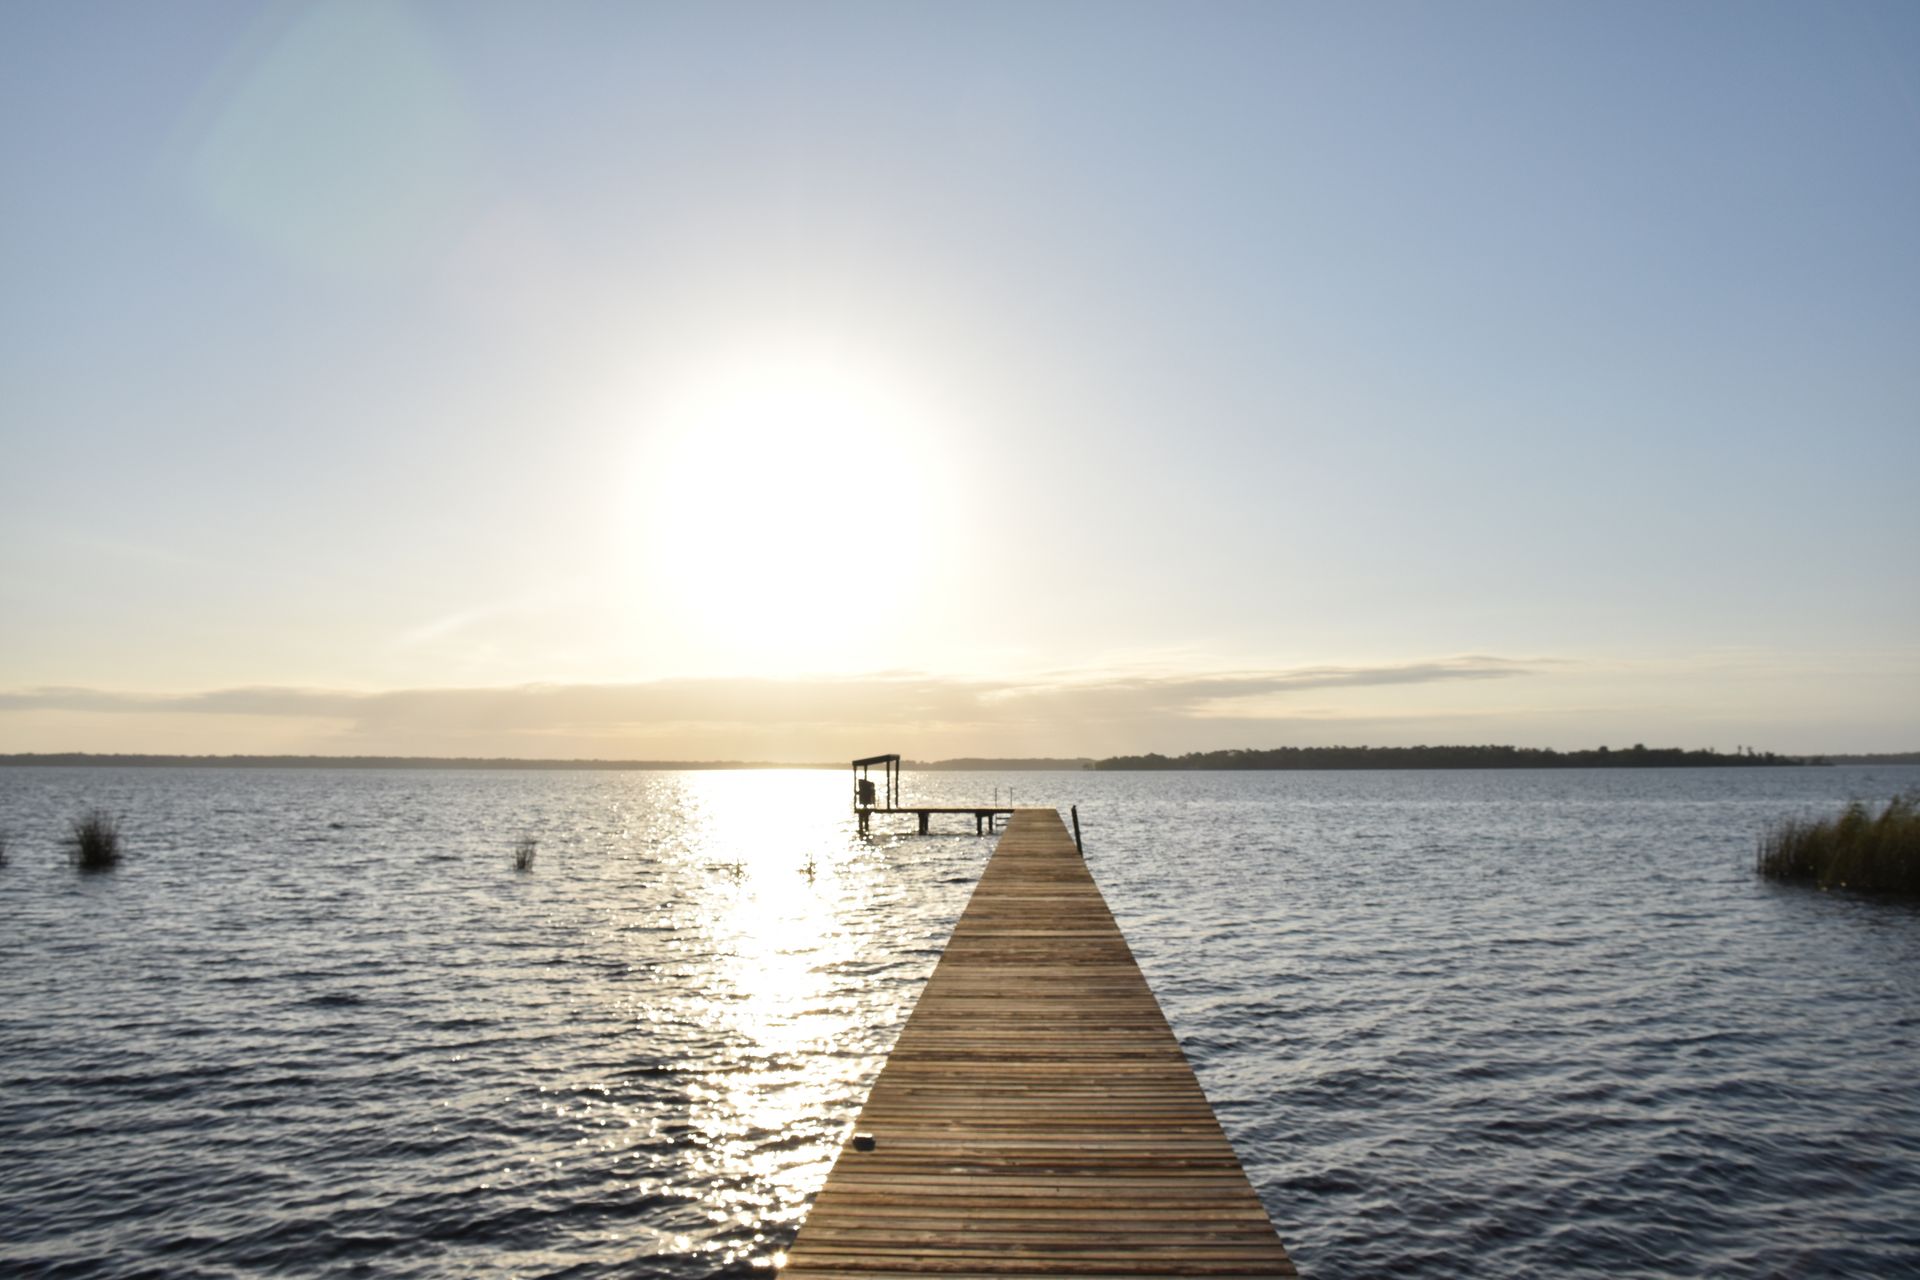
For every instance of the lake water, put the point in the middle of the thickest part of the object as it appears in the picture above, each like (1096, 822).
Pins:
(1455, 1023)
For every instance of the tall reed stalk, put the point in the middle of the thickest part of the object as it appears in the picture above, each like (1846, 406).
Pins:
(1859, 849)
(94, 844)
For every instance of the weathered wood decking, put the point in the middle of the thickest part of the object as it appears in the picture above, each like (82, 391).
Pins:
(1037, 1117)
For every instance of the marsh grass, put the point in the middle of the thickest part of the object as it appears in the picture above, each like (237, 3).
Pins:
(523, 852)
(94, 844)
(1858, 849)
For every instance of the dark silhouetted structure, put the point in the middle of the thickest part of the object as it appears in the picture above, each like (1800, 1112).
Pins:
(867, 799)
(863, 786)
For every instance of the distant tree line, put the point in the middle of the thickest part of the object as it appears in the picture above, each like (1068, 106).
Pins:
(85, 759)
(1638, 756)
(991, 764)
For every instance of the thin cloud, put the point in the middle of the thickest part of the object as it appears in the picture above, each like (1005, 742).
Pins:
(902, 698)
(451, 624)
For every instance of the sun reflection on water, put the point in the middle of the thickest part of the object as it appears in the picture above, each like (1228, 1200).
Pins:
(779, 876)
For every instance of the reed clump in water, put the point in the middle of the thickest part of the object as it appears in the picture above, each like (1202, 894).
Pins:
(94, 844)
(1859, 849)
(523, 853)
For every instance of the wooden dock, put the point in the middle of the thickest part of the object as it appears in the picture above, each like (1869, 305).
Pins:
(1037, 1117)
(984, 815)
(869, 799)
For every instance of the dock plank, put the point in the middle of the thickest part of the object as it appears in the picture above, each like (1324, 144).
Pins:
(1037, 1117)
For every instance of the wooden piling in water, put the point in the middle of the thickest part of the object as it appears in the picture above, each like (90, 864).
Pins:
(1037, 1117)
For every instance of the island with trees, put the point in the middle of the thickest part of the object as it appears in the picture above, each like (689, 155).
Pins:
(1638, 756)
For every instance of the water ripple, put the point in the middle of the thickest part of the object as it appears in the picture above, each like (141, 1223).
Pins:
(1499, 1024)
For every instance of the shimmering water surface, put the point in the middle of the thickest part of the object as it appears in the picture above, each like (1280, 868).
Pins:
(1498, 1024)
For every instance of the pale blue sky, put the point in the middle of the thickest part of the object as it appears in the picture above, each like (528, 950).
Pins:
(366, 349)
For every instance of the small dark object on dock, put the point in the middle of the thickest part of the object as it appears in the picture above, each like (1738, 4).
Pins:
(864, 792)
(864, 1142)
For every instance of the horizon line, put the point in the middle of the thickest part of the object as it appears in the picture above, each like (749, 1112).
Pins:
(135, 759)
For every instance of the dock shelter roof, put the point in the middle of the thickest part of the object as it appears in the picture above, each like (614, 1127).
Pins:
(887, 759)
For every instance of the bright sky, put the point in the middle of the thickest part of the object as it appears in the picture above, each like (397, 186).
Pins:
(800, 381)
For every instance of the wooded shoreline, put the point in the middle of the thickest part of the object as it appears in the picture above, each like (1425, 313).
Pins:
(1296, 758)
(1638, 756)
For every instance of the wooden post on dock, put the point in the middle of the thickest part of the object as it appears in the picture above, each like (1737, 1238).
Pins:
(1037, 1117)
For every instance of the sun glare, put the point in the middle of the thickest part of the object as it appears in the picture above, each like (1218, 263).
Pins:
(772, 491)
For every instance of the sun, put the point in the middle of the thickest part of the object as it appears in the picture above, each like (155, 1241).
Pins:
(787, 507)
